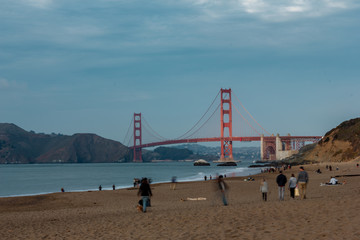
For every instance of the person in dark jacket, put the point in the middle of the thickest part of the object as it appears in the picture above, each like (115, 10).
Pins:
(281, 181)
(145, 193)
(223, 187)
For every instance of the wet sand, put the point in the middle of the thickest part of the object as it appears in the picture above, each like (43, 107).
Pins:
(329, 212)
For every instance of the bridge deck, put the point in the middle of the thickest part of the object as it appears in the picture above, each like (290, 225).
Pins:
(234, 139)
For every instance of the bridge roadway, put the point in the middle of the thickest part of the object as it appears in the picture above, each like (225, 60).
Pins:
(239, 139)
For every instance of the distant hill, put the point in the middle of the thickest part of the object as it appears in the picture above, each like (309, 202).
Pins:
(20, 146)
(239, 153)
(341, 144)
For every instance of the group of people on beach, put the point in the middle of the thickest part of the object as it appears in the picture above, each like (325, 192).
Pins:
(276, 169)
(145, 192)
(297, 187)
(299, 183)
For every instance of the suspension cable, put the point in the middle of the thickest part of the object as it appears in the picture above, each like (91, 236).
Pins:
(157, 134)
(205, 121)
(200, 118)
(127, 133)
(246, 120)
(251, 115)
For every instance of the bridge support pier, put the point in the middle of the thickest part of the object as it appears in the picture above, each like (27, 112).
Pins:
(268, 148)
(226, 126)
(277, 148)
(137, 138)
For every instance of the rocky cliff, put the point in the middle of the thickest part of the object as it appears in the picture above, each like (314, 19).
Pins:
(20, 146)
(339, 144)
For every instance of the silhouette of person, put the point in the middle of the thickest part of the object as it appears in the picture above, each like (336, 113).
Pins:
(281, 181)
(223, 187)
(173, 183)
(264, 189)
(292, 185)
(145, 192)
(302, 181)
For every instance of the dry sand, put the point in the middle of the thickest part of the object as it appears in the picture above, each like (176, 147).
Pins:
(329, 212)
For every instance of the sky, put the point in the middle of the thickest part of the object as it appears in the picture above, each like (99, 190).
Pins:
(71, 66)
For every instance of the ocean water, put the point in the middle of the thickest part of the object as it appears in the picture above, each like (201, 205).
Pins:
(35, 179)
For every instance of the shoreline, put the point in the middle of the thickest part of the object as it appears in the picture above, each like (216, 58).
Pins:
(110, 189)
(329, 212)
(266, 166)
(261, 174)
(238, 171)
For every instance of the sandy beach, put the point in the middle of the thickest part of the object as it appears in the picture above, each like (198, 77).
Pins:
(329, 212)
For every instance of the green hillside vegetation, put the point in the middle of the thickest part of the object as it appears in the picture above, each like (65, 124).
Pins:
(173, 153)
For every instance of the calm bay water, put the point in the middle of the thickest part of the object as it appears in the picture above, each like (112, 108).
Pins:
(34, 179)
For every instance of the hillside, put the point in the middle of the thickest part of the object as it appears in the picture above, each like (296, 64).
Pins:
(340, 144)
(239, 153)
(20, 146)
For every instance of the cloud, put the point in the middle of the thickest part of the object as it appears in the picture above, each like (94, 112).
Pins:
(9, 85)
(275, 11)
(4, 84)
(39, 3)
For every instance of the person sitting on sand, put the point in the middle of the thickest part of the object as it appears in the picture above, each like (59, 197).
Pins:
(333, 181)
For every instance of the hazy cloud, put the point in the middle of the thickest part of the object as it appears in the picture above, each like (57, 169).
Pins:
(39, 3)
(279, 10)
(9, 85)
(4, 84)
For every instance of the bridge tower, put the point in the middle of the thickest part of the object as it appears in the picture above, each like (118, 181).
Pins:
(226, 126)
(137, 138)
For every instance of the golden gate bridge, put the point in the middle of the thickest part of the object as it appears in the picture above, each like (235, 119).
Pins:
(241, 127)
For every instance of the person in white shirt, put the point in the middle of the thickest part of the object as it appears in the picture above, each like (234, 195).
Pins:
(333, 181)
(264, 189)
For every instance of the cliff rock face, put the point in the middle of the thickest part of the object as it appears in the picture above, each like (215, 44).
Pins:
(340, 144)
(20, 146)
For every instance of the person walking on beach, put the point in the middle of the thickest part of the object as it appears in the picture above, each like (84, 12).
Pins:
(264, 189)
(223, 187)
(145, 193)
(302, 181)
(292, 185)
(173, 183)
(281, 181)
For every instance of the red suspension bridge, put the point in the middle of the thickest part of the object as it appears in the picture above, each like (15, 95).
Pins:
(245, 129)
